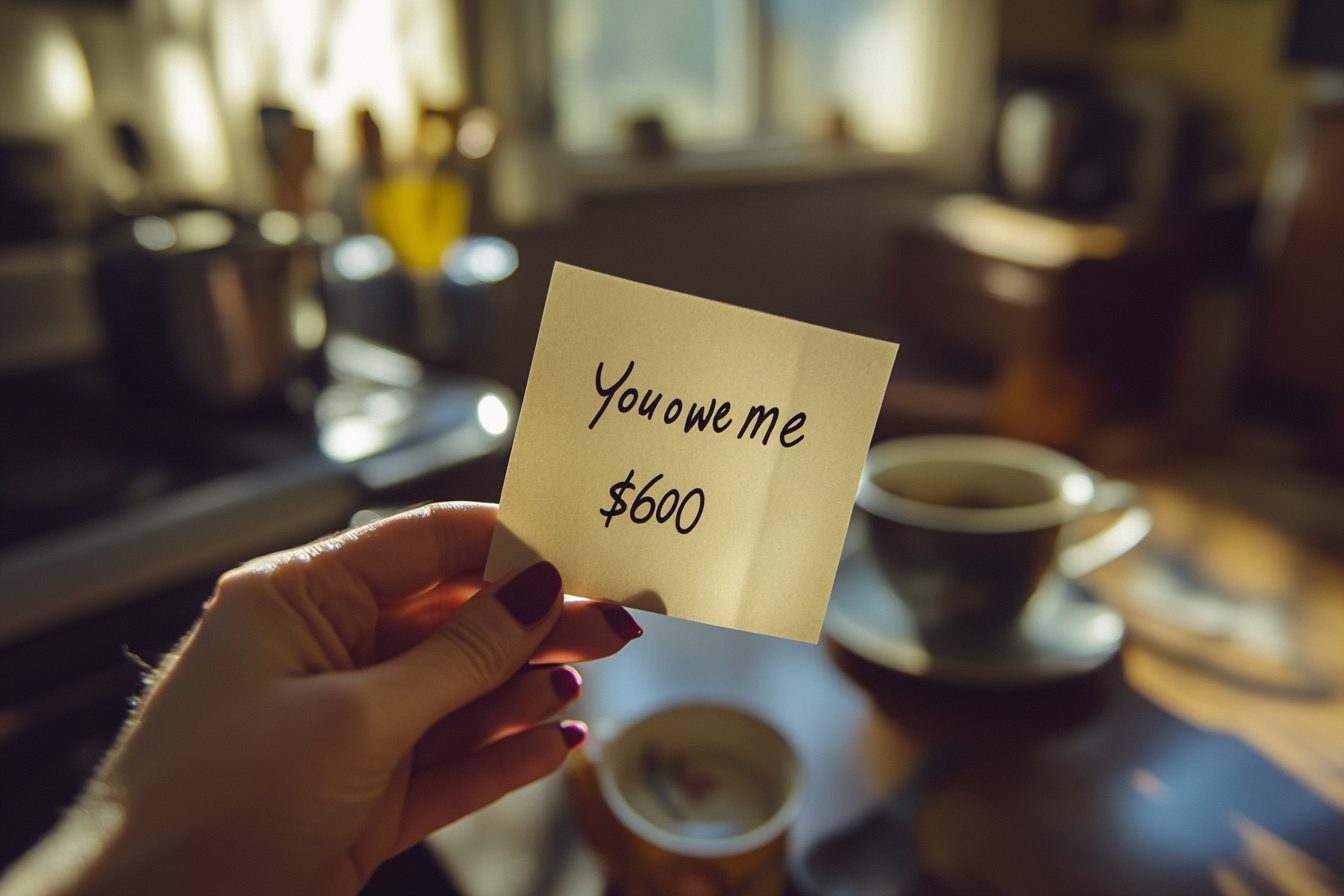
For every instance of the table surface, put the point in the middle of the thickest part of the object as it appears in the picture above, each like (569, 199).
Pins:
(1207, 757)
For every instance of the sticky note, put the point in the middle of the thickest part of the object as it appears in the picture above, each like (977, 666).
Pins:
(688, 457)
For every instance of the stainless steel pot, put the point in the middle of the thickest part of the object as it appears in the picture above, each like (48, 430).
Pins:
(202, 307)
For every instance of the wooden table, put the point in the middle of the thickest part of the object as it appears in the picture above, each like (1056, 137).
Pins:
(1199, 760)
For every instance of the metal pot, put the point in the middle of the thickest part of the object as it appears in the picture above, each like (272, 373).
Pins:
(202, 307)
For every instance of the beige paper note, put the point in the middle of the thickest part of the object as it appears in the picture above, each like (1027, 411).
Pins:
(684, 456)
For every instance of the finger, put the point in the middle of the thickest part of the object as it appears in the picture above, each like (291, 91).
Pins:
(400, 555)
(529, 698)
(588, 630)
(440, 795)
(405, 622)
(476, 651)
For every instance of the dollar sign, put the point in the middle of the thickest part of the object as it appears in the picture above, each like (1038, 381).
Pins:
(617, 504)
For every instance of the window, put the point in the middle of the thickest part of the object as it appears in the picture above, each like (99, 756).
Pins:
(851, 68)
(731, 73)
(688, 63)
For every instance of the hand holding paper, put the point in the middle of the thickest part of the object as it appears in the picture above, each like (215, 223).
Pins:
(688, 457)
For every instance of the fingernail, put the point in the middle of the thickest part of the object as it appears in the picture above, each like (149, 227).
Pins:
(621, 622)
(574, 733)
(530, 595)
(566, 683)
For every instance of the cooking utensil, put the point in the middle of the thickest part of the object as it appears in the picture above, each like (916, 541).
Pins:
(200, 306)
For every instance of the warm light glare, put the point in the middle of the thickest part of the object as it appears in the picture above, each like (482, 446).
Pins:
(66, 74)
(279, 227)
(492, 414)
(884, 75)
(202, 229)
(353, 438)
(474, 260)
(194, 125)
(477, 132)
(237, 61)
(328, 60)
(308, 322)
(362, 257)
(991, 228)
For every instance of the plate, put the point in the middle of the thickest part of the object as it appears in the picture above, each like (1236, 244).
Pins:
(1062, 632)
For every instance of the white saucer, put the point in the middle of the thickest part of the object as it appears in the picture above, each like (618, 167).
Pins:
(1063, 631)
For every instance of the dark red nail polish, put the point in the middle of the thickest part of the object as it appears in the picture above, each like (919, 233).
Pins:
(566, 683)
(621, 622)
(530, 595)
(574, 733)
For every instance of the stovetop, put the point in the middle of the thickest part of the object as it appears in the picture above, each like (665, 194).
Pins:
(106, 497)
(75, 447)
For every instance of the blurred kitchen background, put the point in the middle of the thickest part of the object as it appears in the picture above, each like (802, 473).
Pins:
(265, 264)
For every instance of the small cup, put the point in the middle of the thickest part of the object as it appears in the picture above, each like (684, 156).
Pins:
(965, 527)
(693, 799)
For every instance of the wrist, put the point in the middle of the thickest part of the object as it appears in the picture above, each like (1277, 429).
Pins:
(62, 862)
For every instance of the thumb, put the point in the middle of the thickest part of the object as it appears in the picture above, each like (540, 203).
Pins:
(484, 643)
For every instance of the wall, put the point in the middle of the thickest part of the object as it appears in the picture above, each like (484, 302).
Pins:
(1047, 33)
(1227, 53)
(816, 252)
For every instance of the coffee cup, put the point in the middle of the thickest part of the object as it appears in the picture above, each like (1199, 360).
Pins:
(696, 798)
(965, 527)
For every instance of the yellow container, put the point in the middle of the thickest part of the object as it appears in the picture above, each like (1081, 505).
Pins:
(418, 216)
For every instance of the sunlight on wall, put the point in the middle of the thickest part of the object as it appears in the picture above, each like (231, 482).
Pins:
(327, 62)
(66, 74)
(885, 75)
(195, 129)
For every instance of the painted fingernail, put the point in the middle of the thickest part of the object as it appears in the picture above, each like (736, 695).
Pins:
(574, 733)
(566, 683)
(621, 622)
(530, 595)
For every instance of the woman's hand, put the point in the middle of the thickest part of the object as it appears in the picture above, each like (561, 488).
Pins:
(334, 705)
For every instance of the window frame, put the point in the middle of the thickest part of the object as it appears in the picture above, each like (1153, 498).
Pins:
(516, 82)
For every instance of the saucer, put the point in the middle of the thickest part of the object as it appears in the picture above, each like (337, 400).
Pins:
(1061, 633)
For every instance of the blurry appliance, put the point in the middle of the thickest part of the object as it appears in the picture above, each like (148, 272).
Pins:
(1081, 147)
(202, 306)
(1063, 148)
